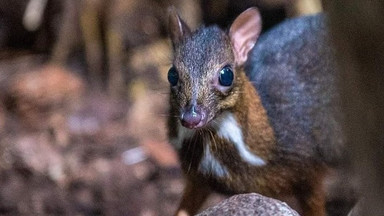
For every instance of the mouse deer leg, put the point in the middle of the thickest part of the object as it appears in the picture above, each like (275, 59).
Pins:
(195, 193)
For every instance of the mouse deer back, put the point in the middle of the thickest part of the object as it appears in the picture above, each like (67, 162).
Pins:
(226, 128)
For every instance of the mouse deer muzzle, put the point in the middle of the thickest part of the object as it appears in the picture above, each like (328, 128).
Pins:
(193, 117)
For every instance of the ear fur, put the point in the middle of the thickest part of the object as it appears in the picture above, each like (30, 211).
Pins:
(177, 28)
(243, 33)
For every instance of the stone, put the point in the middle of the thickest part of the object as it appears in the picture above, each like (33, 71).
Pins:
(250, 204)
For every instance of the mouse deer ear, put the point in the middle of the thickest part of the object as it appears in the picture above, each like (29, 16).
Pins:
(177, 28)
(244, 33)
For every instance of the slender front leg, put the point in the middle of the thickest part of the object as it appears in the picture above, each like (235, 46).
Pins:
(195, 193)
(314, 205)
(312, 198)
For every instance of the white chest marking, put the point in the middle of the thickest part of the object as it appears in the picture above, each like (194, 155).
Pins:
(209, 165)
(229, 129)
(182, 134)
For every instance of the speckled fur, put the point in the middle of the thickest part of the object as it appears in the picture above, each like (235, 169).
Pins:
(292, 69)
(285, 122)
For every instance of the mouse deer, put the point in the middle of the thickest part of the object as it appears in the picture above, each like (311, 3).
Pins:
(275, 134)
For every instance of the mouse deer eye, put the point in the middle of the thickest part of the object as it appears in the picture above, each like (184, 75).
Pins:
(173, 76)
(226, 76)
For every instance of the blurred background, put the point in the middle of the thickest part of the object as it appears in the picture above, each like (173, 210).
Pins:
(83, 102)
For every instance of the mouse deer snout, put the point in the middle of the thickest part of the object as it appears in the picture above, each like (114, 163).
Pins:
(193, 116)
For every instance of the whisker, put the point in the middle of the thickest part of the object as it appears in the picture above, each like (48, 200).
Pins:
(189, 146)
(215, 122)
(213, 139)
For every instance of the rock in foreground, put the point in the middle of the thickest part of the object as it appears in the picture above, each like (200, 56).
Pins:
(250, 204)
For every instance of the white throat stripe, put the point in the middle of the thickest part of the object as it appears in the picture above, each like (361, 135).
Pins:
(209, 165)
(229, 129)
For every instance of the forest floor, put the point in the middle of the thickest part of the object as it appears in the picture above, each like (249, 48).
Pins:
(68, 151)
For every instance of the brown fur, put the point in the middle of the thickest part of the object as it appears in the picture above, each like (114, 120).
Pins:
(289, 179)
(289, 174)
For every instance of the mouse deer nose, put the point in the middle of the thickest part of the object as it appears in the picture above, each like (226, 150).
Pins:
(191, 117)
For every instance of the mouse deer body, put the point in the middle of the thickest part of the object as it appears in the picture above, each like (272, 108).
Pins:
(236, 137)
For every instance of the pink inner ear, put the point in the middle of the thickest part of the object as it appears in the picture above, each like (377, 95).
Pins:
(243, 33)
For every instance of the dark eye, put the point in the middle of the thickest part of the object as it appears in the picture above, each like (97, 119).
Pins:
(173, 76)
(226, 76)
